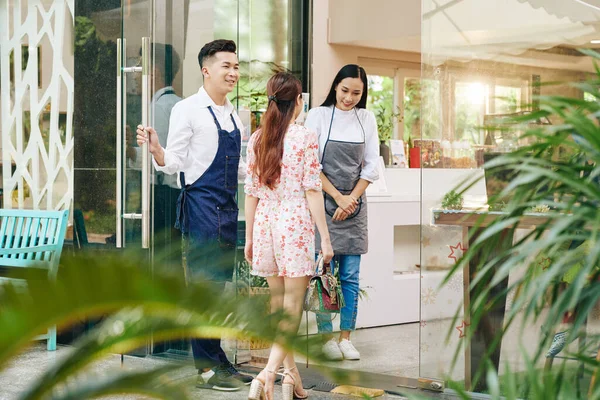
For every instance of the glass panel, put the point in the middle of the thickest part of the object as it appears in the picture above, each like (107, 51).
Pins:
(94, 119)
(485, 76)
(269, 40)
(421, 93)
(268, 34)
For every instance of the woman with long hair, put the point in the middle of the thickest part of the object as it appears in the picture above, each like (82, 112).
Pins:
(349, 151)
(284, 201)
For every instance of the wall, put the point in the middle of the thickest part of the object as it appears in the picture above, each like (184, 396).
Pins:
(200, 30)
(37, 144)
(328, 58)
(347, 31)
(386, 24)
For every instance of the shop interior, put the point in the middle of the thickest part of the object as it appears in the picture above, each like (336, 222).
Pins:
(439, 72)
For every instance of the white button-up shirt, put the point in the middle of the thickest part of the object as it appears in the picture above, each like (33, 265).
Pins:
(193, 138)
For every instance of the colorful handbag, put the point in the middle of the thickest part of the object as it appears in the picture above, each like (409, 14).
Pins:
(324, 293)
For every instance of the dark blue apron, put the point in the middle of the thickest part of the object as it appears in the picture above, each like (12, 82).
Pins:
(207, 212)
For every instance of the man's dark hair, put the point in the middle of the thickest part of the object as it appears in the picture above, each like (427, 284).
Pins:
(166, 59)
(214, 47)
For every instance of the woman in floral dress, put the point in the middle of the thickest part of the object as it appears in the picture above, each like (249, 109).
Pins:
(284, 201)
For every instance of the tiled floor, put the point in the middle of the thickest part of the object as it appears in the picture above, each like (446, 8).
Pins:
(410, 350)
(30, 365)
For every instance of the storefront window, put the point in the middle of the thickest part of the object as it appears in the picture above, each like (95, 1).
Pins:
(381, 93)
(421, 94)
(470, 107)
(493, 62)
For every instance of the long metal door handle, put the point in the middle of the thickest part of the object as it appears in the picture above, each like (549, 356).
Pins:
(146, 165)
(120, 130)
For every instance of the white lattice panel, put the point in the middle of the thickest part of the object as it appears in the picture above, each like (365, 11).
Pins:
(37, 116)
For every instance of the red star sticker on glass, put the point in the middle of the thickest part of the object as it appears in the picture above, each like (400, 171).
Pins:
(462, 328)
(423, 323)
(452, 254)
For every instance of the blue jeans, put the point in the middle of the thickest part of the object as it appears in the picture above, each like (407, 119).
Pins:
(349, 266)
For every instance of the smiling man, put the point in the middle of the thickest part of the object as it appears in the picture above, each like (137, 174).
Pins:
(203, 146)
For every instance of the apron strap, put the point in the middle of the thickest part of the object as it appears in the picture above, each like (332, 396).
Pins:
(233, 120)
(214, 117)
(361, 127)
(180, 210)
(328, 134)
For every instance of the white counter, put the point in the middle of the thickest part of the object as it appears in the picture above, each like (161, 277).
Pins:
(388, 271)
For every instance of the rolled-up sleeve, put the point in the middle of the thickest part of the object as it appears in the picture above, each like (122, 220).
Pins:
(251, 180)
(178, 142)
(370, 171)
(311, 179)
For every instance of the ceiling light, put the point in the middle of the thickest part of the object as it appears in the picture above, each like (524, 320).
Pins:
(595, 41)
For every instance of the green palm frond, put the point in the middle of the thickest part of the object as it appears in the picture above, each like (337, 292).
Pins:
(137, 306)
(149, 383)
(560, 169)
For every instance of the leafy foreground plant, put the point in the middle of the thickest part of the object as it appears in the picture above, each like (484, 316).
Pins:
(139, 306)
(561, 169)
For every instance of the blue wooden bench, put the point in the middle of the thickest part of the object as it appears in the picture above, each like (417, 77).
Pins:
(32, 238)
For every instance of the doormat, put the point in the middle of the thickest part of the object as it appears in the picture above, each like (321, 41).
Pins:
(323, 386)
(358, 391)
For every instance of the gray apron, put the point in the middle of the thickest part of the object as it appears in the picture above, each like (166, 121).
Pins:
(342, 164)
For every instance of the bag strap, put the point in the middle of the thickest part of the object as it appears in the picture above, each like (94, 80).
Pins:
(322, 267)
(326, 268)
(307, 357)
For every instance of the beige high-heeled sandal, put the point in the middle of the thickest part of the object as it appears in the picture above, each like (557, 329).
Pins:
(257, 388)
(289, 389)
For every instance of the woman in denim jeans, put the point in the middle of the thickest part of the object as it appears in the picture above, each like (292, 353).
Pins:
(349, 151)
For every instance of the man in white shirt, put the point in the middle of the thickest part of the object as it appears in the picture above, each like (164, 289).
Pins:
(204, 145)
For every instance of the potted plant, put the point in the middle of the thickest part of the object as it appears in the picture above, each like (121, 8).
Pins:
(452, 201)
(386, 118)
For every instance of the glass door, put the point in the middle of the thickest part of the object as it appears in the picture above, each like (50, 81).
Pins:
(133, 200)
(148, 62)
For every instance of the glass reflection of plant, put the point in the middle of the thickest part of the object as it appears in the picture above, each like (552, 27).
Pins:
(252, 86)
(422, 95)
(94, 124)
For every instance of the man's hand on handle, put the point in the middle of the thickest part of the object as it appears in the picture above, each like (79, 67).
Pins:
(149, 135)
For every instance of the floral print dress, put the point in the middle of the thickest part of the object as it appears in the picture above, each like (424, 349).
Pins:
(284, 231)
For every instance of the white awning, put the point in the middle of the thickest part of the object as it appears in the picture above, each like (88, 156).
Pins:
(464, 30)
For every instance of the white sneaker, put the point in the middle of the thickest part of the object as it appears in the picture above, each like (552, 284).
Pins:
(332, 352)
(348, 350)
